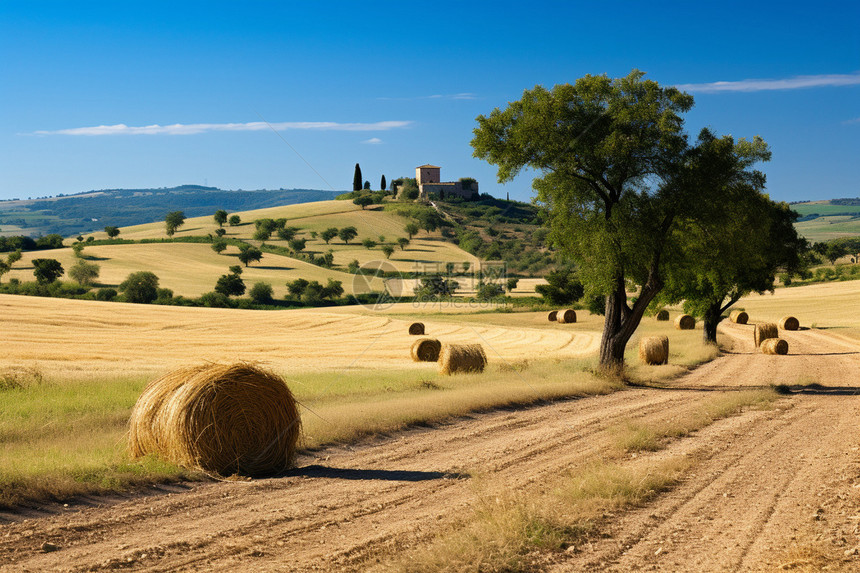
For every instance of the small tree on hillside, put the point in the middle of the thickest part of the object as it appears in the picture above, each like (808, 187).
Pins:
(287, 233)
(84, 273)
(140, 287)
(4, 268)
(411, 230)
(382, 183)
(112, 232)
(402, 242)
(368, 243)
(47, 271)
(298, 245)
(234, 220)
(347, 234)
(363, 201)
(13, 257)
(387, 250)
(220, 232)
(329, 234)
(563, 287)
(261, 293)
(356, 178)
(173, 221)
(220, 217)
(230, 285)
(249, 254)
(367, 185)
(78, 248)
(219, 245)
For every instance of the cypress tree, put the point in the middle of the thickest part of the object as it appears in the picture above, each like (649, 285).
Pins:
(356, 179)
(382, 183)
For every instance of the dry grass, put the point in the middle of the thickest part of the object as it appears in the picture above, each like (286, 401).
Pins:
(514, 532)
(653, 435)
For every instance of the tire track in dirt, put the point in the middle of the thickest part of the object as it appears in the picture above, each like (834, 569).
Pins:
(761, 481)
(352, 503)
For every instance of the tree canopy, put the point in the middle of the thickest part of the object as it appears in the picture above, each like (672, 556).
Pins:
(173, 221)
(140, 287)
(617, 173)
(356, 178)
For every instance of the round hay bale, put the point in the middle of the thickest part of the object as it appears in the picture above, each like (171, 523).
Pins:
(456, 358)
(567, 316)
(654, 349)
(552, 316)
(222, 418)
(416, 328)
(774, 346)
(764, 331)
(685, 322)
(789, 323)
(739, 317)
(426, 350)
(663, 315)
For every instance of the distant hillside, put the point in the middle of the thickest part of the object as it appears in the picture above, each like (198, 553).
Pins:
(92, 211)
(825, 220)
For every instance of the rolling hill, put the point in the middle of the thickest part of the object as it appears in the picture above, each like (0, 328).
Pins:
(825, 220)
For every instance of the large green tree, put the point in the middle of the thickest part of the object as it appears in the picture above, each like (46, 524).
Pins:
(140, 287)
(736, 251)
(47, 271)
(617, 174)
(220, 217)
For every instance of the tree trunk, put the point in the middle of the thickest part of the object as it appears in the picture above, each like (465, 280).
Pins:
(713, 316)
(621, 322)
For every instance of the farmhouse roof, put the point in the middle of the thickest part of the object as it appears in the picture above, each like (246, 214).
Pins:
(428, 165)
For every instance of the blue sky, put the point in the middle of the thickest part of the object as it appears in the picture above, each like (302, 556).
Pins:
(186, 89)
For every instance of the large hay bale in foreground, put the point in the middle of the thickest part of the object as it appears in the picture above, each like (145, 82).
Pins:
(789, 323)
(416, 328)
(552, 316)
(456, 358)
(222, 418)
(763, 331)
(739, 317)
(774, 346)
(654, 349)
(663, 315)
(685, 322)
(567, 316)
(426, 350)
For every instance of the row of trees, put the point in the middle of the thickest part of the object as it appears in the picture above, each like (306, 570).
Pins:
(357, 179)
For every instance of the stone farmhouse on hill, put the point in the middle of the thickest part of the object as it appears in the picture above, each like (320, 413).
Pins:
(430, 182)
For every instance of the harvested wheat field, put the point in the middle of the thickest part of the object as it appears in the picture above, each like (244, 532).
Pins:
(86, 339)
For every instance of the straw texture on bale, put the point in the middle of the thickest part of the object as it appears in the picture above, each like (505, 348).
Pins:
(663, 315)
(426, 350)
(567, 316)
(789, 323)
(685, 322)
(654, 349)
(763, 331)
(416, 328)
(774, 346)
(222, 418)
(553, 314)
(739, 317)
(462, 358)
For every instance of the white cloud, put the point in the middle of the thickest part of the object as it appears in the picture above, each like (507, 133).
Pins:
(797, 82)
(850, 121)
(373, 141)
(195, 128)
(459, 96)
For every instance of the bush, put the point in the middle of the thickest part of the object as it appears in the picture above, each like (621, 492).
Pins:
(261, 293)
(230, 285)
(215, 300)
(490, 291)
(563, 288)
(140, 287)
(106, 294)
(84, 273)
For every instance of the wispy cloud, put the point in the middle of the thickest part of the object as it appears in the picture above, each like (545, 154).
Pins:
(850, 121)
(195, 128)
(797, 82)
(459, 96)
(372, 141)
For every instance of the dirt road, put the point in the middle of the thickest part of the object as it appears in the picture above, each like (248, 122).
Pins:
(763, 480)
